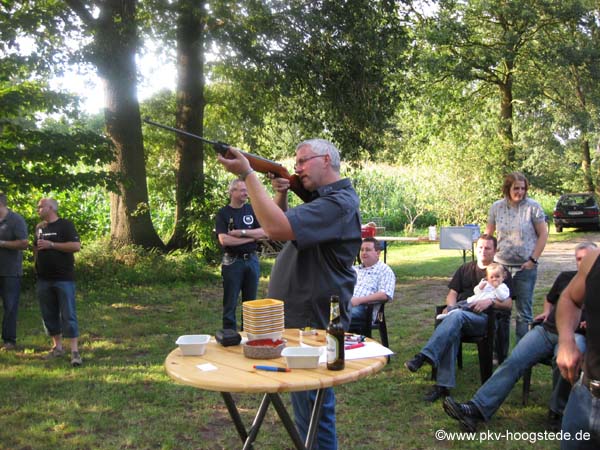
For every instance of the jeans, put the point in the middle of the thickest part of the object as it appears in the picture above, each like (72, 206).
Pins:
(302, 402)
(442, 347)
(535, 346)
(10, 289)
(582, 414)
(57, 303)
(523, 284)
(241, 275)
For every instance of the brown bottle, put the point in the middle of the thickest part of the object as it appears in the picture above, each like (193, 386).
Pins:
(335, 336)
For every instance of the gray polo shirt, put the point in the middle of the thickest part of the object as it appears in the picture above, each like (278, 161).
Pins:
(319, 262)
(12, 228)
(515, 229)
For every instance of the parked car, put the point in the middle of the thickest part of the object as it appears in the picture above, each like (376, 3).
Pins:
(577, 211)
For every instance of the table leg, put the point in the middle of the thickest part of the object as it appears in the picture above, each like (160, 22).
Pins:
(287, 422)
(314, 418)
(235, 415)
(258, 420)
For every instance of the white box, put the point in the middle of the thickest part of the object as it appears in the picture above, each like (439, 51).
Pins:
(302, 357)
(193, 344)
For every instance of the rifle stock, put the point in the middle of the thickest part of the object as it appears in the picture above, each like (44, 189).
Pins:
(258, 163)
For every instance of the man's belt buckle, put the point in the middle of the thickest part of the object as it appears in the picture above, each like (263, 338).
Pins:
(594, 387)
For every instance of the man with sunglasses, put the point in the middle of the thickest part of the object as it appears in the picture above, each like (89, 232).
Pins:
(323, 238)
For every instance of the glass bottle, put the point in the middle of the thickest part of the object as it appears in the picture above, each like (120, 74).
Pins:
(335, 336)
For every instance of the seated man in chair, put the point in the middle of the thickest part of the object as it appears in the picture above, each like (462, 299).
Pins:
(375, 281)
(442, 348)
(537, 345)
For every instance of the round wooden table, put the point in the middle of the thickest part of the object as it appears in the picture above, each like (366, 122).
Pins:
(235, 373)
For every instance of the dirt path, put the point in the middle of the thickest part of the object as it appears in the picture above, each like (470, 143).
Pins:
(559, 256)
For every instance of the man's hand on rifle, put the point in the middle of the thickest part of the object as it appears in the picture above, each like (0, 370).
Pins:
(237, 165)
(279, 184)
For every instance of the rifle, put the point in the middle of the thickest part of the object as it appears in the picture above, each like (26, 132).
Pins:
(258, 163)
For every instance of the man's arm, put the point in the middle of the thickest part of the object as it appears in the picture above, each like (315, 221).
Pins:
(17, 244)
(65, 247)
(376, 296)
(546, 312)
(269, 214)
(236, 237)
(568, 315)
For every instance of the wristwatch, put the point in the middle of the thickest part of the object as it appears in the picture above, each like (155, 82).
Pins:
(243, 232)
(533, 260)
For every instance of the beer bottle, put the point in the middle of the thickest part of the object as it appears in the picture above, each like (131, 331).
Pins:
(335, 336)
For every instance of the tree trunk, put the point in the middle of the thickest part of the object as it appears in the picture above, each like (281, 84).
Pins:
(586, 166)
(505, 130)
(190, 115)
(114, 48)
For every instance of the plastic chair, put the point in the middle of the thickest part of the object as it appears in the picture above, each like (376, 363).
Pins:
(485, 345)
(376, 311)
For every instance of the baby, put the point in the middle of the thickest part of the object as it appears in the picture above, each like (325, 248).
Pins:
(490, 288)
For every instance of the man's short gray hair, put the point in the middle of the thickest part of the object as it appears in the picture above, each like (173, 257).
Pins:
(588, 245)
(323, 147)
(233, 183)
(53, 204)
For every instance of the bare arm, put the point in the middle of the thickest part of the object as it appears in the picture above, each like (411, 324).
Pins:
(65, 247)
(376, 296)
(568, 315)
(269, 214)
(541, 229)
(17, 244)
(490, 229)
(546, 312)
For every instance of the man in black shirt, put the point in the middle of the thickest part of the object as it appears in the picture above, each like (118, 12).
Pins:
(442, 348)
(238, 230)
(55, 242)
(537, 345)
(582, 413)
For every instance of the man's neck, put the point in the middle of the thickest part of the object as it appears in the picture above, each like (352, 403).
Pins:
(3, 212)
(483, 264)
(236, 205)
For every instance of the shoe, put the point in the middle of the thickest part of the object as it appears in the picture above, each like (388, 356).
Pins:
(466, 413)
(55, 353)
(76, 360)
(435, 393)
(8, 347)
(554, 420)
(417, 362)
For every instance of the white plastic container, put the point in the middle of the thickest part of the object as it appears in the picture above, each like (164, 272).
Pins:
(193, 344)
(302, 357)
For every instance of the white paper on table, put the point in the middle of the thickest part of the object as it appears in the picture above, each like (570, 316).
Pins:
(207, 367)
(370, 350)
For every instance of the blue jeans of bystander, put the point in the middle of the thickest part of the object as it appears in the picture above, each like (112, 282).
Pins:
(303, 403)
(523, 285)
(10, 289)
(241, 275)
(442, 347)
(582, 415)
(57, 304)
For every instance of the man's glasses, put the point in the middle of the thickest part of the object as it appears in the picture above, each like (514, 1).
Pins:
(303, 161)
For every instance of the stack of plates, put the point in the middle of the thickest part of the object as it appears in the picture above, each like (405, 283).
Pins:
(263, 319)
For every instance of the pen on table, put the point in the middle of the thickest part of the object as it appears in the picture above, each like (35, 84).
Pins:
(272, 368)
(350, 347)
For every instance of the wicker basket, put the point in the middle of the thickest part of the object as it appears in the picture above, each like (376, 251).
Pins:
(263, 348)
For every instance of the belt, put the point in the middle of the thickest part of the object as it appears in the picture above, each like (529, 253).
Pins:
(592, 385)
(241, 255)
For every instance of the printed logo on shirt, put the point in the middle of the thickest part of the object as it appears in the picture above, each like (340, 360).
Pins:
(248, 219)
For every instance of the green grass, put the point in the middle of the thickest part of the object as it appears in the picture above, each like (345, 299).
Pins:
(132, 310)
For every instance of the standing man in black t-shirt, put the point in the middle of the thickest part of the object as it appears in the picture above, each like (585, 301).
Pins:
(55, 242)
(238, 230)
(582, 413)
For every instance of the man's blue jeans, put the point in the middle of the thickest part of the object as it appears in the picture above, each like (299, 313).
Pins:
(535, 346)
(303, 403)
(523, 285)
(10, 289)
(582, 414)
(442, 347)
(57, 303)
(241, 275)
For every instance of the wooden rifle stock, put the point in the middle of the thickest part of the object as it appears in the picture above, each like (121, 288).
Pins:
(258, 163)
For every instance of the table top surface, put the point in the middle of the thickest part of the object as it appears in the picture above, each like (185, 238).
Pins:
(235, 372)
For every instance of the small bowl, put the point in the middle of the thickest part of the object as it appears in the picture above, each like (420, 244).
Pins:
(193, 344)
(302, 357)
(263, 348)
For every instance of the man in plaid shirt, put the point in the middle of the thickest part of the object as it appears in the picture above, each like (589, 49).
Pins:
(375, 282)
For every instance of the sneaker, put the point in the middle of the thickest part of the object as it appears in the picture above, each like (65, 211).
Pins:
(55, 353)
(436, 393)
(466, 413)
(417, 362)
(76, 360)
(8, 347)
